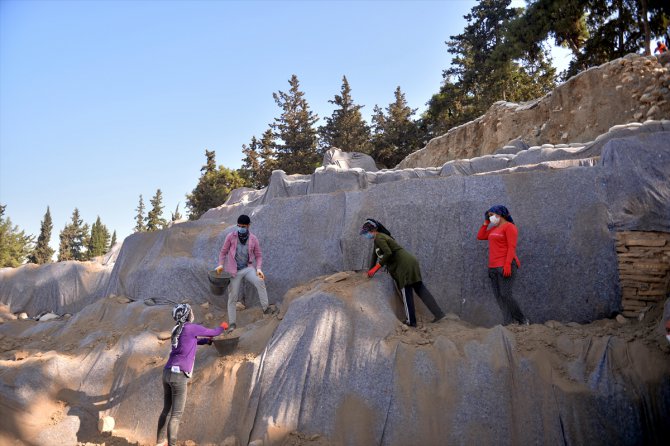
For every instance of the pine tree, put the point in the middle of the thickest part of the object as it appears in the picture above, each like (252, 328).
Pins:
(268, 161)
(486, 68)
(212, 189)
(73, 239)
(294, 133)
(139, 218)
(176, 215)
(155, 220)
(345, 128)
(15, 245)
(112, 242)
(251, 163)
(395, 133)
(99, 240)
(43, 253)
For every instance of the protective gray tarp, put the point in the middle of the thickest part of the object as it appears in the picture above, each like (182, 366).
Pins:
(348, 160)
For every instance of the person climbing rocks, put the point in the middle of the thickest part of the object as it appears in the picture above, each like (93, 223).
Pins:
(660, 47)
(240, 251)
(186, 336)
(403, 267)
(503, 261)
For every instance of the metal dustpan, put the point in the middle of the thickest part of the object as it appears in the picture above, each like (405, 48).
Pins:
(225, 346)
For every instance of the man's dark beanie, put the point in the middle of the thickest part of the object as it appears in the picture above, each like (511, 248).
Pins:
(243, 220)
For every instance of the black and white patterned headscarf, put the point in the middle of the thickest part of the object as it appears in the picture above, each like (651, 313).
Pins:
(181, 313)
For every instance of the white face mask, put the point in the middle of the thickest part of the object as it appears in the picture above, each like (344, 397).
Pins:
(667, 337)
(494, 219)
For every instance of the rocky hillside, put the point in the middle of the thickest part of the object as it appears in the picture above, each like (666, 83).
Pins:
(336, 366)
(631, 89)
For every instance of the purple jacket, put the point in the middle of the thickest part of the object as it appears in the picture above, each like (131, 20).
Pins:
(227, 254)
(184, 354)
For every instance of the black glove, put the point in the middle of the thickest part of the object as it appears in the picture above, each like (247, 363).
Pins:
(486, 216)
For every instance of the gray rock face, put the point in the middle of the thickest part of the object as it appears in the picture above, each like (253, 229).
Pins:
(565, 210)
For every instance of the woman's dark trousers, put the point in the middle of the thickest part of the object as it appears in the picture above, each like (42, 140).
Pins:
(427, 298)
(174, 400)
(502, 289)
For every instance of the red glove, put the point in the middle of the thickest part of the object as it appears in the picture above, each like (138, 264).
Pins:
(373, 270)
(224, 325)
(507, 270)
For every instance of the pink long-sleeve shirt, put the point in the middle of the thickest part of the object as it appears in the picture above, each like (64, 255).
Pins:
(227, 253)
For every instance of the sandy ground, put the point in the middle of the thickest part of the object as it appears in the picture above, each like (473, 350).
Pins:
(256, 330)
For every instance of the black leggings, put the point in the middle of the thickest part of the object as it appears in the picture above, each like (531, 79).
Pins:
(502, 289)
(427, 298)
(174, 400)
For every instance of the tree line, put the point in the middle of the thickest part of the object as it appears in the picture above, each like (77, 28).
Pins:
(501, 55)
(78, 241)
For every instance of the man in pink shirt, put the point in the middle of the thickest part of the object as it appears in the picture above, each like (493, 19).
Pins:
(241, 257)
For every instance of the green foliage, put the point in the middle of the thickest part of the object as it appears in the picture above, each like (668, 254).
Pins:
(112, 242)
(212, 189)
(345, 128)
(15, 245)
(73, 239)
(486, 69)
(98, 243)
(176, 215)
(155, 220)
(139, 218)
(394, 133)
(294, 136)
(43, 253)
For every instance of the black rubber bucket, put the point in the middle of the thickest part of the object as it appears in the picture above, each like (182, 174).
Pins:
(226, 346)
(218, 282)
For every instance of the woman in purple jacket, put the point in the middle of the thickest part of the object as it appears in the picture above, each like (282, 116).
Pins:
(186, 336)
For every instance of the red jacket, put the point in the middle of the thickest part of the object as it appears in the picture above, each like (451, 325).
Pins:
(502, 244)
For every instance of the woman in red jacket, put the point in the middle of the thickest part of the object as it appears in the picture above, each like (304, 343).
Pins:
(503, 262)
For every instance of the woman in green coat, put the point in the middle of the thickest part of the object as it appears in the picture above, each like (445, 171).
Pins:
(403, 267)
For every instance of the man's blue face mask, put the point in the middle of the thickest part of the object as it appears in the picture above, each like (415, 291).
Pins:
(241, 230)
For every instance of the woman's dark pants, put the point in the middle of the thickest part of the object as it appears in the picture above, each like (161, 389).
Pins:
(502, 289)
(427, 298)
(174, 400)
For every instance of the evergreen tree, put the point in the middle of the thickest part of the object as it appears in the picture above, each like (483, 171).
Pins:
(73, 239)
(43, 253)
(294, 133)
(99, 240)
(268, 161)
(176, 215)
(155, 220)
(345, 128)
(251, 163)
(15, 245)
(139, 218)
(212, 190)
(112, 242)
(210, 165)
(484, 70)
(395, 133)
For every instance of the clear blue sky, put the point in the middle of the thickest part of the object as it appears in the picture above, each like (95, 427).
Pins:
(101, 101)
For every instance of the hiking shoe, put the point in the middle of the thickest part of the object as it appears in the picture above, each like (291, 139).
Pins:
(438, 318)
(406, 322)
(525, 322)
(271, 309)
(231, 327)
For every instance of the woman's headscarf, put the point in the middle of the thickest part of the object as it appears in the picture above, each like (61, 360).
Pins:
(181, 313)
(502, 211)
(373, 225)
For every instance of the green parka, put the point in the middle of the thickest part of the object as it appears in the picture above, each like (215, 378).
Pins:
(402, 265)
